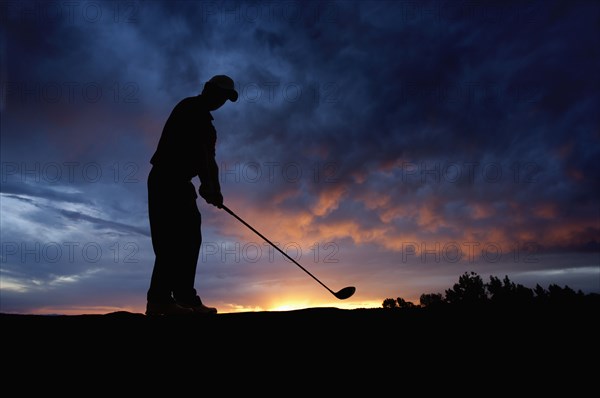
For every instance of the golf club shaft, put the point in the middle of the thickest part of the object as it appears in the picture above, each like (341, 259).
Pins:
(272, 244)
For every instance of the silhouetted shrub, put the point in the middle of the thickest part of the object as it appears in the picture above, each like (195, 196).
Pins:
(390, 303)
(404, 304)
(505, 291)
(566, 295)
(431, 300)
(541, 294)
(470, 289)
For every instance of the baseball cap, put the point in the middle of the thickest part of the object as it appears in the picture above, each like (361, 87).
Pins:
(225, 83)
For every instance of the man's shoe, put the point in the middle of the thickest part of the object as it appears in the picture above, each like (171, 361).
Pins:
(168, 308)
(197, 307)
(201, 309)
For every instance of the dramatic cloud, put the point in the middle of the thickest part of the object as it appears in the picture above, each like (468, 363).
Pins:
(387, 145)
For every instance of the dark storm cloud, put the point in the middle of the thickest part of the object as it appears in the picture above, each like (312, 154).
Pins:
(487, 88)
(21, 191)
(101, 224)
(405, 88)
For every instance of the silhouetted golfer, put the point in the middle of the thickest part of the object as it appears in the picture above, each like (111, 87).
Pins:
(186, 149)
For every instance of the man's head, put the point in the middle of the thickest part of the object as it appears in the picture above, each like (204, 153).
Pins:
(218, 90)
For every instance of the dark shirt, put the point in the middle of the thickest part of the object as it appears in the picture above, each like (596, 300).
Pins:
(187, 145)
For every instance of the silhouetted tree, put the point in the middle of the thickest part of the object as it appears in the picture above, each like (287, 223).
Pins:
(390, 303)
(506, 291)
(564, 295)
(470, 289)
(497, 290)
(523, 294)
(541, 294)
(431, 300)
(404, 304)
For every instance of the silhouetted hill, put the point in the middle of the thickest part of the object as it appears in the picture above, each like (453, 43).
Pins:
(364, 328)
(370, 347)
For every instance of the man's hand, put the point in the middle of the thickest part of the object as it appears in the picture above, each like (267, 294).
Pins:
(211, 196)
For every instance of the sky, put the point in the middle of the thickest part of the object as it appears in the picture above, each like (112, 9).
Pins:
(386, 145)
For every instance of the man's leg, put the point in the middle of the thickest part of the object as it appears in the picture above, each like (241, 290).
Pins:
(189, 246)
(184, 292)
(163, 227)
(158, 209)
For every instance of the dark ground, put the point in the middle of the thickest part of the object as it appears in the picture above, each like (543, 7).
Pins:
(346, 349)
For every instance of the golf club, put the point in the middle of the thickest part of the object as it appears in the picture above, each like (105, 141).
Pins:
(342, 294)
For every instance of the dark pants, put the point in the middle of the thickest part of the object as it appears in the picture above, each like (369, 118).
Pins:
(176, 237)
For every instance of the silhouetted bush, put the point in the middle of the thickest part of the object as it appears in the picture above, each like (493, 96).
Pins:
(397, 303)
(471, 290)
(404, 304)
(505, 291)
(540, 293)
(390, 303)
(431, 300)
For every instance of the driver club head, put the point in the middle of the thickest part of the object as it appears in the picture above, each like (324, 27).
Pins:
(345, 292)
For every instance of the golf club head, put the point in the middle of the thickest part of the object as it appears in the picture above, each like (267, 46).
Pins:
(345, 292)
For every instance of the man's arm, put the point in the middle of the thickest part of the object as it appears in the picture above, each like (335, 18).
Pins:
(210, 187)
